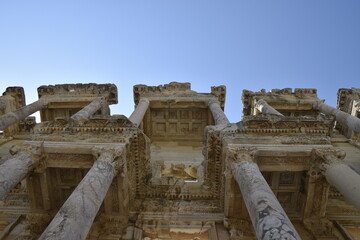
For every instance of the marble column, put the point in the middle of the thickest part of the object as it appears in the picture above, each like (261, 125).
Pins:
(340, 175)
(15, 169)
(21, 113)
(344, 118)
(265, 108)
(218, 114)
(76, 216)
(139, 112)
(268, 217)
(88, 111)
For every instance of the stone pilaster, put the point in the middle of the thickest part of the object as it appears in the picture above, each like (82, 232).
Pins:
(340, 175)
(21, 113)
(16, 168)
(139, 112)
(265, 108)
(88, 110)
(343, 118)
(218, 114)
(74, 219)
(268, 217)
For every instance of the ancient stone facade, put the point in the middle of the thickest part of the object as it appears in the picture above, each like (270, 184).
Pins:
(177, 168)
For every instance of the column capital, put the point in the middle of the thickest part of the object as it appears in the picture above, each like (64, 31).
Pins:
(317, 103)
(34, 152)
(328, 157)
(145, 100)
(213, 100)
(111, 155)
(239, 155)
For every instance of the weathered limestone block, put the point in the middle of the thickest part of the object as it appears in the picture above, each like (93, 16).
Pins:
(88, 111)
(344, 118)
(15, 169)
(340, 175)
(268, 217)
(21, 113)
(139, 112)
(217, 112)
(265, 108)
(74, 219)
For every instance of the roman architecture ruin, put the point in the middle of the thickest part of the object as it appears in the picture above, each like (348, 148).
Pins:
(177, 168)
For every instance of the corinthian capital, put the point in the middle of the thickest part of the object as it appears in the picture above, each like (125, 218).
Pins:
(114, 156)
(239, 155)
(328, 157)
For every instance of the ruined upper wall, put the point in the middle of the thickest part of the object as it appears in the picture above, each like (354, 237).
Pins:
(348, 100)
(109, 91)
(176, 89)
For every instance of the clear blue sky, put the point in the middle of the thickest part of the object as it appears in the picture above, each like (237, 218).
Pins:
(241, 44)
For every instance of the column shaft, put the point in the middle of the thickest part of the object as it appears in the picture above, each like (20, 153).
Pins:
(21, 113)
(344, 118)
(346, 181)
(265, 108)
(268, 217)
(74, 219)
(14, 170)
(218, 114)
(88, 111)
(139, 112)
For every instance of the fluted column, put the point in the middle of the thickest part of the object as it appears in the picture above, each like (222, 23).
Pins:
(344, 118)
(265, 108)
(268, 217)
(218, 114)
(139, 112)
(88, 111)
(74, 219)
(340, 175)
(15, 169)
(21, 113)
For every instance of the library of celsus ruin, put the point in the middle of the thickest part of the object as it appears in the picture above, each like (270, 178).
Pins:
(177, 168)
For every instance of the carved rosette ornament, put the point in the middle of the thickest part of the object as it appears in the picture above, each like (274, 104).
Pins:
(268, 217)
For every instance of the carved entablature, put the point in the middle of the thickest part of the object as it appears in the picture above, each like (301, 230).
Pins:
(109, 91)
(270, 125)
(94, 126)
(288, 102)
